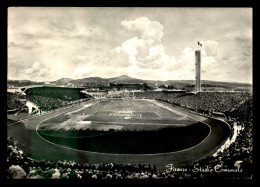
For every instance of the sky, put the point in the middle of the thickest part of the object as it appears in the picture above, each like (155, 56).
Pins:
(49, 43)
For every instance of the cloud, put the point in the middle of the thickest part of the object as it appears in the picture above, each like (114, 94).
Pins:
(52, 43)
(82, 71)
(152, 31)
(39, 72)
(145, 50)
(35, 68)
(222, 60)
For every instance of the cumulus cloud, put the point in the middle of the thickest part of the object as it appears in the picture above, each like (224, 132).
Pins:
(145, 50)
(35, 67)
(152, 31)
(40, 72)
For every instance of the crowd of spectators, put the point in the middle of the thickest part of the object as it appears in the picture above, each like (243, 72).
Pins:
(60, 93)
(243, 111)
(51, 98)
(213, 101)
(158, 95)
(17, 162)
(13, 101)
(237, 152)
(21, 166)
(48, 103)
(202, 101)
(235, 155)
(44, 103)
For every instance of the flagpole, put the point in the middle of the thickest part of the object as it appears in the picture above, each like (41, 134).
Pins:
(199, 44)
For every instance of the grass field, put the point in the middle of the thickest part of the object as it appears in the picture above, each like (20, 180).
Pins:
(124, 127)
(130, 114)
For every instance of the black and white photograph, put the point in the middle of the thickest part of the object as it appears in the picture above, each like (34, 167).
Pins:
(122, 93)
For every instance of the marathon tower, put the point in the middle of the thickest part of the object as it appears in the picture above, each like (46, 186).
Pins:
(197, 67)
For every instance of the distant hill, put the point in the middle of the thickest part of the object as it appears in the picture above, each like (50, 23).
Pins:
(207, 85)
(102, 81)
(89, 81)
(62, 81)
(125, 79)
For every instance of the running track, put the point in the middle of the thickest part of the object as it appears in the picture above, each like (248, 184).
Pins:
(36, 147)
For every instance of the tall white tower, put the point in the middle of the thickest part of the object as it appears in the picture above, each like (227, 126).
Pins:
(197, 67)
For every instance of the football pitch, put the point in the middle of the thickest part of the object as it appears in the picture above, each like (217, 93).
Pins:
(121, 126)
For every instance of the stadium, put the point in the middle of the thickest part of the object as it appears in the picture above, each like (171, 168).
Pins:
(151, 128)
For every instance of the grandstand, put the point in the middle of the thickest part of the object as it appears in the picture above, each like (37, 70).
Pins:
(50, 98)
(62, 93)
(236, 107)
(202, 101)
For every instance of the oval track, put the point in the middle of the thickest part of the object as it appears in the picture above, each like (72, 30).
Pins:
(37, 147)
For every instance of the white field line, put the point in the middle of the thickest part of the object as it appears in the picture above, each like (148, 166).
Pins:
(170, 109)
(158, 114)
(50, 118)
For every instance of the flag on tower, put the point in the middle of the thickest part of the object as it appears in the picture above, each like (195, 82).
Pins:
(199, 44)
